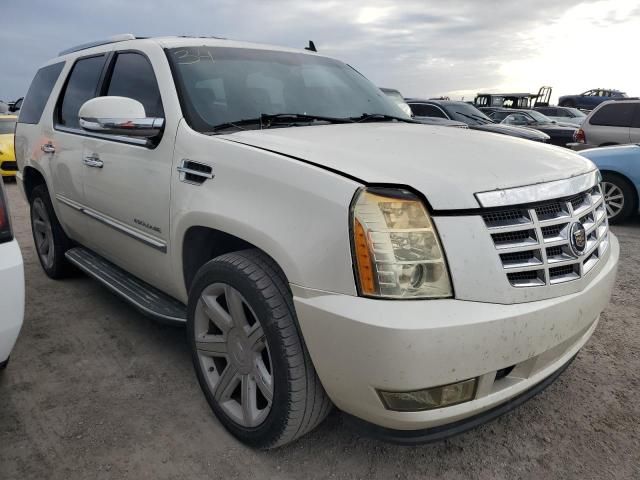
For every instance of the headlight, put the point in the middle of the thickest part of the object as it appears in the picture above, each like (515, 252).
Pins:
(396, 247)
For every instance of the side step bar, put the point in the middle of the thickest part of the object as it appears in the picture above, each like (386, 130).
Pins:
(141, 295)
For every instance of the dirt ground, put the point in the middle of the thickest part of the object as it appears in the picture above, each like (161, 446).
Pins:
(95, 390)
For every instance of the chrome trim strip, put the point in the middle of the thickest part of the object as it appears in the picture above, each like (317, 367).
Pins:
(142, 142)
(68, 202)
(153, 242)
(538, 192)
(127, 127)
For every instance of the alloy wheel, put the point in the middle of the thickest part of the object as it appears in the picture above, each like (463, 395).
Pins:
(234, 355)
(42, 232)
(613, 198)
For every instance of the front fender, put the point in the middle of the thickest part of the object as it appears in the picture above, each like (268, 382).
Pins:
(295, 212)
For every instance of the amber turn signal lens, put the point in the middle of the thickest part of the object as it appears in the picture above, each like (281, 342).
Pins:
(363, 257)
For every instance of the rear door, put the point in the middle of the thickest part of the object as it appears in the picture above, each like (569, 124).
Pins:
(67, 142)
(127, 183)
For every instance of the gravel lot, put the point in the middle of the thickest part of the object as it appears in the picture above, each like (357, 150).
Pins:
(96, 390)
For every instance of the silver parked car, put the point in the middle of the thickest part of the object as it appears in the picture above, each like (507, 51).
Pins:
(611, 123)
(563, 114)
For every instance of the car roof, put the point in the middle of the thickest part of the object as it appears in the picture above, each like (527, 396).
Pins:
(435, 101)
(130, 41)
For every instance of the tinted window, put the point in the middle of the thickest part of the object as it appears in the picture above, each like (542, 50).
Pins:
(39, 92)
(421, 110)
(133, 77)
(614, 115)
(7, 126)
(549, 111)
(81, 86)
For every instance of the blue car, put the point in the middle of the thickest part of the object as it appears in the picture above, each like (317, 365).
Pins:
(591, 98)
(620, 167)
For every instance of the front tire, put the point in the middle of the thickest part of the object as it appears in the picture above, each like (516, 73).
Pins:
(50, 240)
(619, 197)
(248, 353)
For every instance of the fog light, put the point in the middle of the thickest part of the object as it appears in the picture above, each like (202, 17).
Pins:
(429, 398)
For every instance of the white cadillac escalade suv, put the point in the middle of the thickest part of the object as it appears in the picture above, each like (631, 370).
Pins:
(321, 247)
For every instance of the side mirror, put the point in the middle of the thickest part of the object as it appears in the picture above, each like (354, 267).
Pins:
(118, 116)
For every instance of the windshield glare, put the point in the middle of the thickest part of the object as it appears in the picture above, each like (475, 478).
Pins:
(218, 85)
(539, 117)
(466, 113)
(576, 112)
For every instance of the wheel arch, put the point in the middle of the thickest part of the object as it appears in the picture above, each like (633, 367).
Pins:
(634, 190)
(31, 178)
(201, 243)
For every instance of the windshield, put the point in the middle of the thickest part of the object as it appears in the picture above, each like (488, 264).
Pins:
(575, 112)
(539, 117)
(222, 85)
(463, 112)
(7, 126)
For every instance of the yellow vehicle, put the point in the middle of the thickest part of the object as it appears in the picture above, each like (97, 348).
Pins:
(8, 165)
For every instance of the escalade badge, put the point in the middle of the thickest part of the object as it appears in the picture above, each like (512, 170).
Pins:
(577, 238)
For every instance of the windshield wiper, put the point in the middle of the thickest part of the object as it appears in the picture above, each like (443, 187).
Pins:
(294, 117)
(266, 120)
(376, 117)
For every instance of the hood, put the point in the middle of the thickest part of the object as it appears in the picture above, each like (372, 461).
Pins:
(448, 165)
(520, 132)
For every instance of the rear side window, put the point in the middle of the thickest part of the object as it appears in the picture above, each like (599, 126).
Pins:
(7, 126)
(551, 111)
(39, 92)
(614, 115)
(133, 77)
(420, 110)
(81, 86)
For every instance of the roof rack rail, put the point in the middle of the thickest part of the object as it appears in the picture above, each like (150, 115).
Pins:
(116, 38)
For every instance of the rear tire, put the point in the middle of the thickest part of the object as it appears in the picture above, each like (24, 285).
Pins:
(619, 196)
(50, 240)
(248, 352)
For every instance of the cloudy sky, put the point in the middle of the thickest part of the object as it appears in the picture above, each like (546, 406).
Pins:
(422, 47)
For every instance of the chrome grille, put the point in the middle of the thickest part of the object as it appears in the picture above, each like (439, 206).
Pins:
(533, 242)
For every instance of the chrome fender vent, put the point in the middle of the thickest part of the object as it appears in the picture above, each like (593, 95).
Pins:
(194, 173)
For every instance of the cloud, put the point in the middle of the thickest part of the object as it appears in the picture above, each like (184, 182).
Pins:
(421, 47)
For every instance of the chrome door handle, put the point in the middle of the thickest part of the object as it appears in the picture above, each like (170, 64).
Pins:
(48, 148)
(93, 160)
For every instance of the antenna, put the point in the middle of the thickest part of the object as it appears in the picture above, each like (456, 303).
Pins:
(311, 47)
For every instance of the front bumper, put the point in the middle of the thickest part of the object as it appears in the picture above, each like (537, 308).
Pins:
(360, 345)
(11, 297)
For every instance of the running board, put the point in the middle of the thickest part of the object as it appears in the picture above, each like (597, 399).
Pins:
(141, 295)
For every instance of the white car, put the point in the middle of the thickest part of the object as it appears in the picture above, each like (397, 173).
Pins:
(321, 247)
(11, 284)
